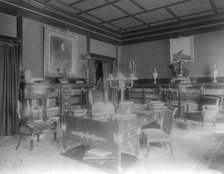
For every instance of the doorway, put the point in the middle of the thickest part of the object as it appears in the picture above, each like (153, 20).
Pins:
(99, 74)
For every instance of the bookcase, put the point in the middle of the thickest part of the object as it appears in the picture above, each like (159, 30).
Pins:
(42, 99)
(53, 100)
(175, 94)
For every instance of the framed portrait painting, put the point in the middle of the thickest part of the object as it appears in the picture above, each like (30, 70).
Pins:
(60, 52)
(182, 49)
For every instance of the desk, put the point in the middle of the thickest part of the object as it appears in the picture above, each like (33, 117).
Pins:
(119, 136)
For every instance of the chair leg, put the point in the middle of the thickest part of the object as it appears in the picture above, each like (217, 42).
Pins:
(147, 146)
(202, 124)
(171, 148)
(55, 135)
(20, 137)
(31, 143)
(38, 137)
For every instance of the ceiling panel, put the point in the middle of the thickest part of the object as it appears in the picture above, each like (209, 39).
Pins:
(163, 22)
(107, 13)
(151, 4)
(194, 6)
(219, 3)
(63, 6)
(128, 6)
(153, 16)
(126, 22)
(88, 4)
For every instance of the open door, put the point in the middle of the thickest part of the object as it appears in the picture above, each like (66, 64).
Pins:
(100, 67)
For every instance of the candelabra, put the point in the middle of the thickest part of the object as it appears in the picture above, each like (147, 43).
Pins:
(121, 82)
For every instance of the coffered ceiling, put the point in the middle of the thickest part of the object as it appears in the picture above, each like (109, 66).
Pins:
(135, 20)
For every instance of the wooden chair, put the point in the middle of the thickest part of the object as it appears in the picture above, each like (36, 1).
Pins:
(32, 126)
(162, 134)
(205, 109)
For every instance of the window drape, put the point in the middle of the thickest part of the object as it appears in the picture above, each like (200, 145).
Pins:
(9, 88)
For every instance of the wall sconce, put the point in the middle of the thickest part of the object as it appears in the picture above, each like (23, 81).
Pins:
(121, 82)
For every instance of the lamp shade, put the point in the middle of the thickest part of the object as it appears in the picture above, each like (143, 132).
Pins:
(110, 77)
(132, 77)
(120, 76)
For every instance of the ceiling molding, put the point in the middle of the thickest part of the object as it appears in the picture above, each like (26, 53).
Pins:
(51, 15)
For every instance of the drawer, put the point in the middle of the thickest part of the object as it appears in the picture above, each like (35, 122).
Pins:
(130, 133)
(65, 90)
(146, 120)
(128, 124)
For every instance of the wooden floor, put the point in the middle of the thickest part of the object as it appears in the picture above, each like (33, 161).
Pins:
(196, 151)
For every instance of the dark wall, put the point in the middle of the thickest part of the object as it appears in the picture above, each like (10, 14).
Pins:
(208, 50)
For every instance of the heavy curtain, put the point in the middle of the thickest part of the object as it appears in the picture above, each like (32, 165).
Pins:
(9, 88)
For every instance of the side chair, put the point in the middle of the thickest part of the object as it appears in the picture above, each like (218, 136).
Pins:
(161, 134)
(31, 126)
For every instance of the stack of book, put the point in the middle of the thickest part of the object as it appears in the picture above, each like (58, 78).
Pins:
(156, 105)
(80, 112)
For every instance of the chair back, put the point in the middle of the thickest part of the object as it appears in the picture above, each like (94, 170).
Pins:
(209, 100)
(97, 96)
(167, 122)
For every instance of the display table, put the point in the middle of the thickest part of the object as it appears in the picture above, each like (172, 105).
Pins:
(116, 135)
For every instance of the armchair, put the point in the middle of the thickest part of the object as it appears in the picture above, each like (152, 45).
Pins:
(205, 109)
(32, 124)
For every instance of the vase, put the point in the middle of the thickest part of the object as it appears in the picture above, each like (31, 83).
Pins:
(214, 73)
(155, 75)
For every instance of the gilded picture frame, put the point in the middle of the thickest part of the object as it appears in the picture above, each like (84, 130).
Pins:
(60, 52)
(182, 49)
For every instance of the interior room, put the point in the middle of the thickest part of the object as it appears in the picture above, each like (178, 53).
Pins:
(111, 86)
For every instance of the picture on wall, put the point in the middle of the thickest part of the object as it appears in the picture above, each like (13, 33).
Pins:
(182, 49)
(60, 52)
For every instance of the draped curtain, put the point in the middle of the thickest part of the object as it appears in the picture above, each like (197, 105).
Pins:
(9, 88)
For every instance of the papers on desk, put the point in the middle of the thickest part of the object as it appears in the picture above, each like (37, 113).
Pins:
(96, 153)
(124, 115)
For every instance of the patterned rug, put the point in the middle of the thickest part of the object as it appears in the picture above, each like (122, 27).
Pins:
(196, 151)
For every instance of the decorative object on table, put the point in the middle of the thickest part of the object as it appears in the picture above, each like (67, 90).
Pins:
(182, 48)
(155, 75)
(63, 76)
(132, 67)
(60, 52)
(214, 73)
(121, 82)
(179, 72)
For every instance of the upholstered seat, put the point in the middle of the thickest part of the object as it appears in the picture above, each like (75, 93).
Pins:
(32, 125)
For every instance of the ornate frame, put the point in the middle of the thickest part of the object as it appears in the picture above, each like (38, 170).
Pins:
(182, 49)
(60, 52)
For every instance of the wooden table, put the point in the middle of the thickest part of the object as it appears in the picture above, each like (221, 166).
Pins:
(119, 136)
